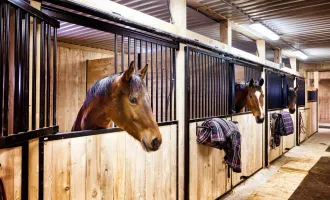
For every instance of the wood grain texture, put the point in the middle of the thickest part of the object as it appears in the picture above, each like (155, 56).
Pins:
(33, 169)
(278, 151)
(110, 166)
(324, 103)
(251, 146)
(11, 171)
(71, 80)
(208, 170)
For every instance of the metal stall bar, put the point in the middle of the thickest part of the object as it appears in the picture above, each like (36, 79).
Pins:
(6, 69)
(48, 77)
(18, 70)
(116, 53)
(25, 72)
(34, 73)
(186, 123)
(2, 55)
(54, 75)
(42, 76)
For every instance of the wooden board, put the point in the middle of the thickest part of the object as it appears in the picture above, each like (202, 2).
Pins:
(290, 140)
(11, 171)
(71, 81)
(304, 118)
(278, 151)
(313, 116)
(208, 170)
(324, 99)
(110, 166)
(252, 140)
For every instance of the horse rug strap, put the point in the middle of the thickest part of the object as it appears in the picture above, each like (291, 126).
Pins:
(223, 134)
(275, 139)
(301, 124)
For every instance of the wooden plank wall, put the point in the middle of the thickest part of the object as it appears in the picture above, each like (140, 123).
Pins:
(71, 80)
(304, 114)
(110, 166)
(11, 171)
(324, 98)
(252, 139)
(208, 170)
(313, 117)
(287, 142)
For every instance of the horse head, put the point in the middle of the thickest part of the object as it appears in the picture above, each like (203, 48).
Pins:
(292, 98)
(252, 96)
(123, 99)
(132, 111)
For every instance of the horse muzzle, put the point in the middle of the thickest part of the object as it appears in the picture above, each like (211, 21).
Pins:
(153, 145)
(260, 120)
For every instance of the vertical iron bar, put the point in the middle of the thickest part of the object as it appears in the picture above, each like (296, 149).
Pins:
(18, 70)
(171, 83)
(231, 92)
(48, 77)
(152, 79)
(54, 75)
(2, 55)
(146, 50)
(166, 87)
(162, 85)
(135, 59)
(115, 49)
(191, 68)
(199, 72)
(6, 76)
(140, 64)
(34, 73)
(122, 53)
(157, 82)
(42, 76)
(174, 75)
(209, 88)
(202, 96)
(129, 50)
(26, 72)
(217, 87)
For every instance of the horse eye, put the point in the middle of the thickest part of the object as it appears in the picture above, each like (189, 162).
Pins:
(133, 100)
(251, 97)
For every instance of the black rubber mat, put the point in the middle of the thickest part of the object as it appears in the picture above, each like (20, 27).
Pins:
(328, 149)
(316, 185)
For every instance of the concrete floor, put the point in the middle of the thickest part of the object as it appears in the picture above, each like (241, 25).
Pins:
(283, 176)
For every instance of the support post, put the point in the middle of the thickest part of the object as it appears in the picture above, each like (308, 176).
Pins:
(226, 32)
(278, 56)
(293, 63)
(178, 12)
(261, 46)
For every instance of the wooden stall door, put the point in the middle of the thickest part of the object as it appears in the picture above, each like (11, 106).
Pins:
(277, 151)
(110, 166)
(324, 100)
(208, 178)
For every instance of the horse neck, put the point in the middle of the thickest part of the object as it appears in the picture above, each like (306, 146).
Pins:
(240, 98)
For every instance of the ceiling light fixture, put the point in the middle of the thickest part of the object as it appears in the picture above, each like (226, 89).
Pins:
(300, 54)
(264, 31)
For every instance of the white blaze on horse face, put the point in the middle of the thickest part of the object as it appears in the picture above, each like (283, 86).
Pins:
(258, 95)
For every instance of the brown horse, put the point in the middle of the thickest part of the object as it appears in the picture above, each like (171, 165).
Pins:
(292, 98)
(250, 94)
(122, 99)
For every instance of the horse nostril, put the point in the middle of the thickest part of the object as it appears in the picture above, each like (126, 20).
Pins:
(155, 143)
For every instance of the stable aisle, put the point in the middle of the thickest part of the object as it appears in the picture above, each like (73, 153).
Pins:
(302, 173)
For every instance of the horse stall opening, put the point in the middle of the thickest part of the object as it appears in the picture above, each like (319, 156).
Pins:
(277, 102)
(210, 94)
(107, 163)
(304, 112)
(28, 82)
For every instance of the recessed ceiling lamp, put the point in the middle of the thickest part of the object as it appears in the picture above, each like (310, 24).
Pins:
(300, 54)
(264, 31)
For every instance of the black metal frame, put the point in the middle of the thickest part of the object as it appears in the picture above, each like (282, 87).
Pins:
(165, 51)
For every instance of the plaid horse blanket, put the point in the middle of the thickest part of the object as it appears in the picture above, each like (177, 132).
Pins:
(223, 134)
(281, 126)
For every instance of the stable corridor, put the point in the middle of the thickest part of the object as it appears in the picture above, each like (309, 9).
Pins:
(284, 177)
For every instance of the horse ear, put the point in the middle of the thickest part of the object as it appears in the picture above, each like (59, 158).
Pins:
(261, 82)
(251, 83)
(129, 72)
(144, 71)
(296, 88)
